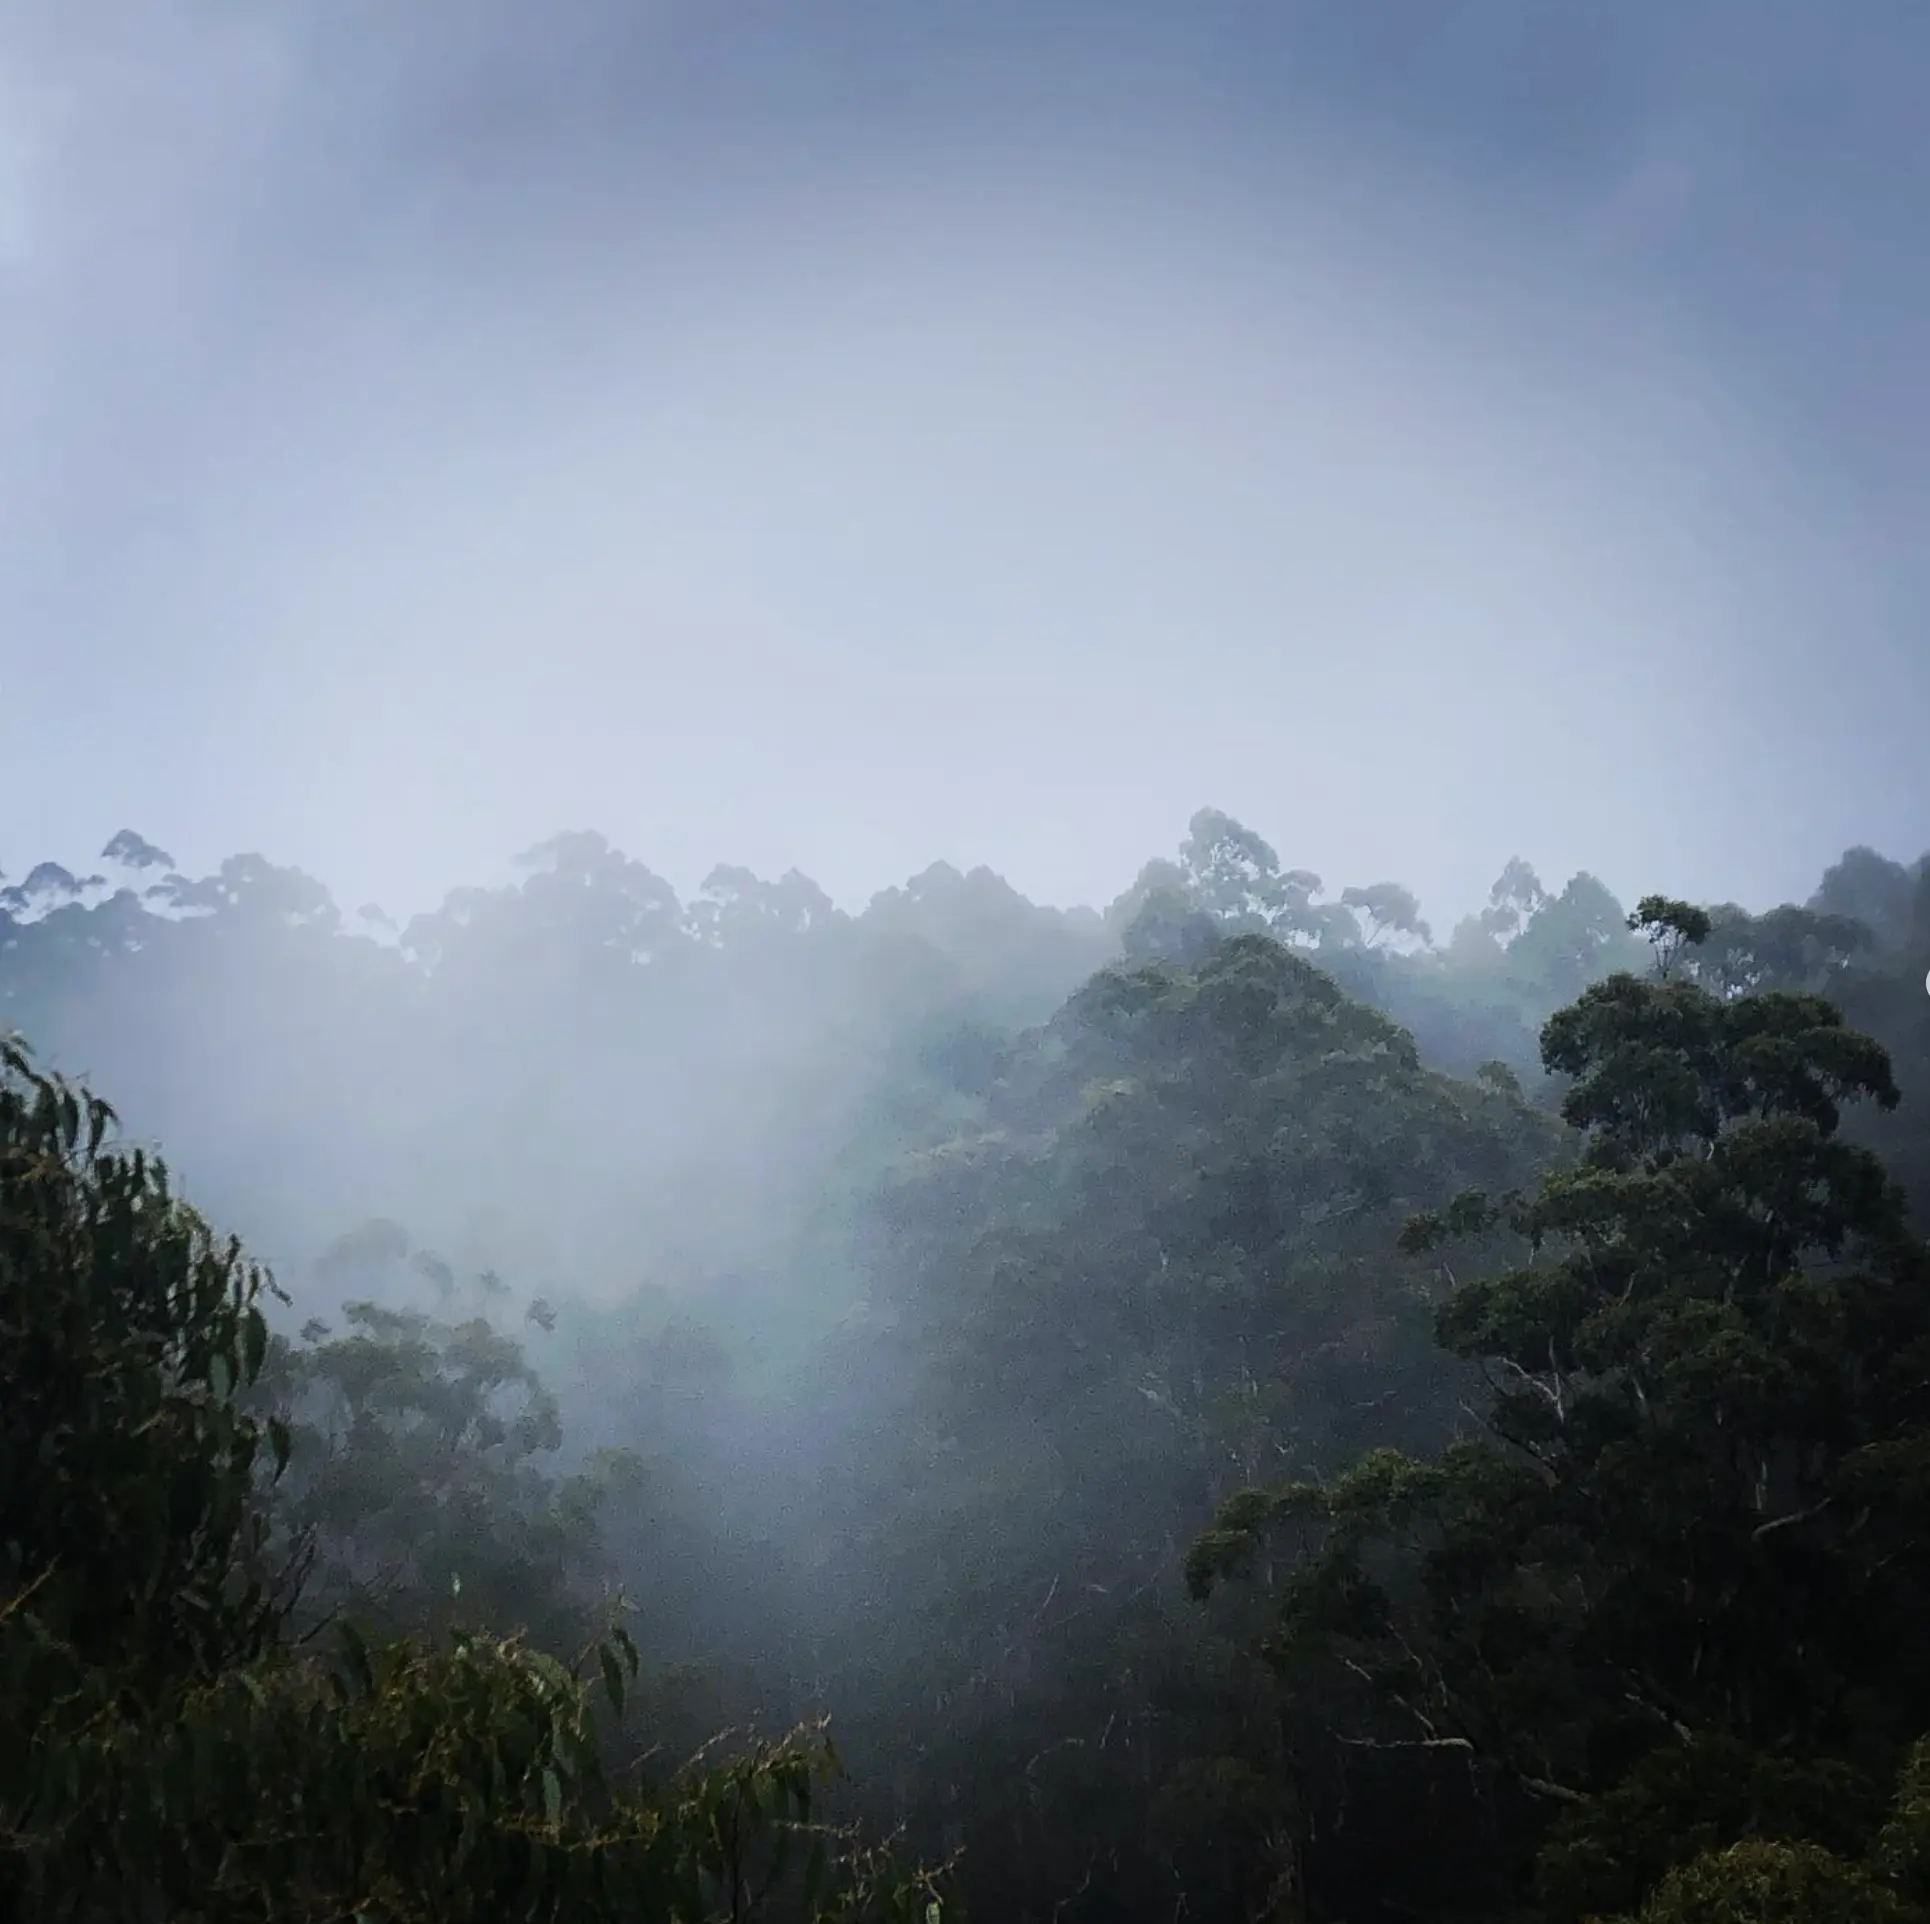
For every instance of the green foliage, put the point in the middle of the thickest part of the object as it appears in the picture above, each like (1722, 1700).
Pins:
(1760, 1882)
(1669, 926)
(1686, 1801)
(1672, 1590)
(1902, 1851)
(1158, 1262)
(408, 1784)
(418, 1479)
(163, 1752)
(127, 1471)
(931, 1326)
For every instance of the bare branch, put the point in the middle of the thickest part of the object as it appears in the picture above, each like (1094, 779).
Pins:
(1795, 1516)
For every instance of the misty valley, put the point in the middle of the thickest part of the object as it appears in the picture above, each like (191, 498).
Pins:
(1235, 1406)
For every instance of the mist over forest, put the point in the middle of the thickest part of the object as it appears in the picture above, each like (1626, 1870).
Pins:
(1002, 1330)
(1328, 1323)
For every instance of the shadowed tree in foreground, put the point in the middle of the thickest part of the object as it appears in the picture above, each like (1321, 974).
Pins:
(1673, 1596)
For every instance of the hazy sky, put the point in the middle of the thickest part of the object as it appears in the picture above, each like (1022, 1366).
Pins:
(848, 433)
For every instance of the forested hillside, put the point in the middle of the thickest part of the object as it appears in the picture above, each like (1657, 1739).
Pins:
(1237, 1405)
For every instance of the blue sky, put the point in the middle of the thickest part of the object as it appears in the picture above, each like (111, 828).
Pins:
(848, 433)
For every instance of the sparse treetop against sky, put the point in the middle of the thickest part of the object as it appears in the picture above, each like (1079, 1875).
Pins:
(848, 433)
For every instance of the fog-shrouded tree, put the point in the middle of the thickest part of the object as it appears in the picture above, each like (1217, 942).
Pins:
(167, 1752)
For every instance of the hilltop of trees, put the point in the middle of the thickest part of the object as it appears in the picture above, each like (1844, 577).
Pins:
(1236, 1406)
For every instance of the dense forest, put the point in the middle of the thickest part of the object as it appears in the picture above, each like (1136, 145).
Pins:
(1236, 1406)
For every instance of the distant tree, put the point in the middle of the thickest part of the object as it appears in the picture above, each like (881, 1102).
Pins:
(1516, 896)
(1863, 886)
(583, 917)
(1234, 873)
(735, 907)
(45, 885)
(1390, 910)
(1169, 926)
(1670, 927)
(135, 851)
(1572, 940)
(1786, 948)
(417, 1481)
(251, 887)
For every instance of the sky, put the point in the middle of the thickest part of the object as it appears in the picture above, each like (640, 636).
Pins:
(847, 434)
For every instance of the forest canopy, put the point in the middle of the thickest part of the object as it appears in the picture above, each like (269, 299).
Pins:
(1237, 1405)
